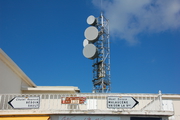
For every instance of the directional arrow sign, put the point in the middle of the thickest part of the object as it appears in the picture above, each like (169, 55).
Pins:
(121, 102)
(25, 102)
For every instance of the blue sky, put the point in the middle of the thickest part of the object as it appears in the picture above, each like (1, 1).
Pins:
(45, 39)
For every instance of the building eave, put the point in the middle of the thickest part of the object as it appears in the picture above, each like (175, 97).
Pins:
(52, 88)
(13, 66)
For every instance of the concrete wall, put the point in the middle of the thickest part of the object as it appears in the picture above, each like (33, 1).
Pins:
(9, 81)
(176, 105)
(12, 78)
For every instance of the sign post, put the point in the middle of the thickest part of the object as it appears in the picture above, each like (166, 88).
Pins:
(25, 102)
(117, 102)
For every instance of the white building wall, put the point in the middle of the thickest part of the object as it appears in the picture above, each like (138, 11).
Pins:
(176, 105)
(9, 81)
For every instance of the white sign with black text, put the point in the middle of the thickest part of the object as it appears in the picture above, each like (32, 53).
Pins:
(25, 102)
(116, 102)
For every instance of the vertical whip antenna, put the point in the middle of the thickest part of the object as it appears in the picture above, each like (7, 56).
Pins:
(101, 5)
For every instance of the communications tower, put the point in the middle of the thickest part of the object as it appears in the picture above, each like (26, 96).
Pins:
(97, 48)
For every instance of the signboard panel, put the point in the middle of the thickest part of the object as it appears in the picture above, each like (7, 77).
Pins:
(89, 118)
(25, 102)
(121, 102)
(73, 100)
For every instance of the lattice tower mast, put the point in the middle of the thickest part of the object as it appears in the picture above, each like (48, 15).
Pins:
(97, 48)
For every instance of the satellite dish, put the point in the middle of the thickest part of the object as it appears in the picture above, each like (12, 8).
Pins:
(91, 34)
(91, 20)
(85, 42)
(90, 51)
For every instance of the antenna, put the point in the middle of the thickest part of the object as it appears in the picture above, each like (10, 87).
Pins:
(101, 5)
(97, 48)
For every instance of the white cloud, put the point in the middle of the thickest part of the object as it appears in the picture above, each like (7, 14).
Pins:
(128, 18)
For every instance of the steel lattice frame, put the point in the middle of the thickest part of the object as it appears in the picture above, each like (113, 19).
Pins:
(101, 65)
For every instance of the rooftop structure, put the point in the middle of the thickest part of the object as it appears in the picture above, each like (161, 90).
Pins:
(14, 80)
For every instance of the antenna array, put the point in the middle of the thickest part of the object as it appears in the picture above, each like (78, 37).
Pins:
(97, 48)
